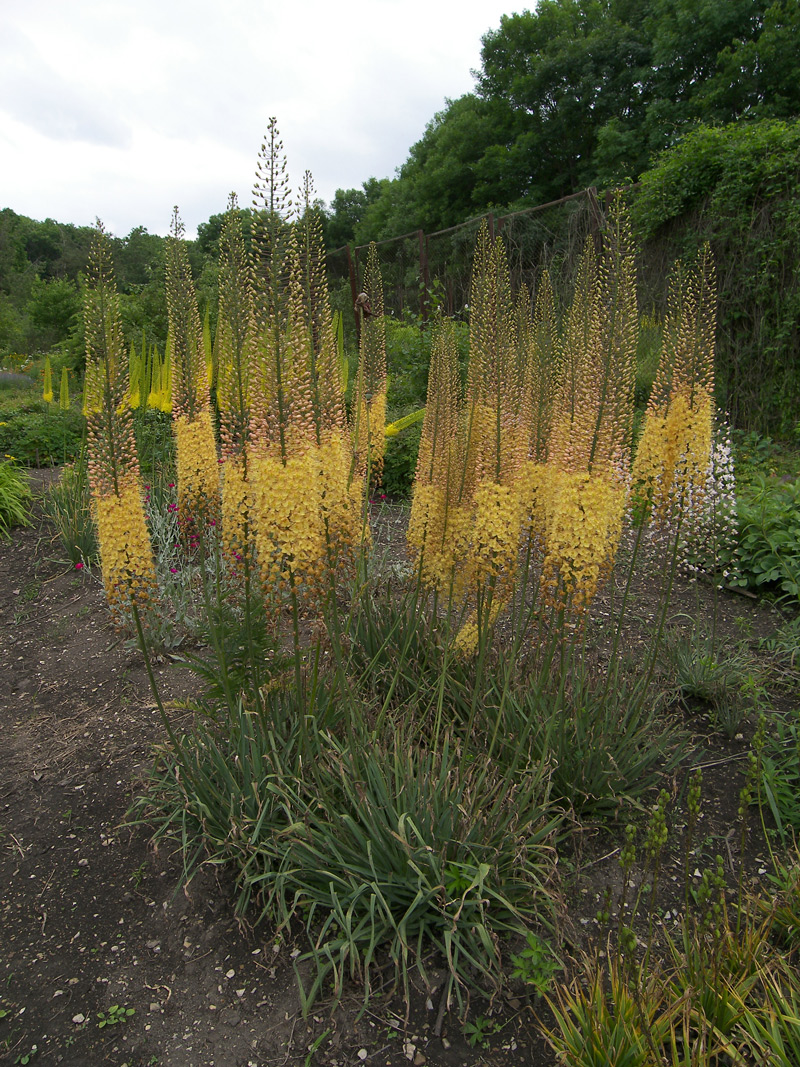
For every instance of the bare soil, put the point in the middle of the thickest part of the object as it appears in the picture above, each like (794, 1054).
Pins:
(103, 960)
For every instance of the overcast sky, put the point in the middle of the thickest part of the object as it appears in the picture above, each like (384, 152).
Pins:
(119, 109)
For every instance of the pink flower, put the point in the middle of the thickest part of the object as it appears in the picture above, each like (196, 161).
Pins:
(171, 485)
(78, 566)
(173, 570)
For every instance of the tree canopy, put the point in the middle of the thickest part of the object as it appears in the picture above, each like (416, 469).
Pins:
(586, 92)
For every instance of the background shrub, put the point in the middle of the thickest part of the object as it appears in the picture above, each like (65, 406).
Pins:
(41, 435)
(767, 554)
(736, 186)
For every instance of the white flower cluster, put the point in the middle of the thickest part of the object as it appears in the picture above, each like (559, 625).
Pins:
(709, 524)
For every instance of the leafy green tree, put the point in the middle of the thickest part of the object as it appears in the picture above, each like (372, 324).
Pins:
(449, 172)
(208, 235)
(346, 211)
(13, 326)
(719, 62)
(566, 71)
(388, 214)
(138, 259)
(583, 92)
(53, 310)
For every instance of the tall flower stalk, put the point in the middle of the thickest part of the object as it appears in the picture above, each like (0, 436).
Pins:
(304, 505)
(489, 502)
(196, 449)
(369, 405)
(235, 352)
(674, 452)
(466, 516)
(125, 554)
(585, 488)
(431, 524)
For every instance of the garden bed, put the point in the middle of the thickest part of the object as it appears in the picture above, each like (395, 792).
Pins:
(106, 960)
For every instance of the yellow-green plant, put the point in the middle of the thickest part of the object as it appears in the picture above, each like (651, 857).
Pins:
(63, 398)
(305, 501)
(125, 553)
(15, 498)
(674, 451)
(234, 353)
(196, 449)
(584, 488)
(140, 366)
(47, 393)
(369, 404)
(156, 377)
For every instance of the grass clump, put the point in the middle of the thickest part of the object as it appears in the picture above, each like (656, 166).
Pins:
(707, 674)
(348, 821)
(711, 989)
(68, 506)
(15, 498)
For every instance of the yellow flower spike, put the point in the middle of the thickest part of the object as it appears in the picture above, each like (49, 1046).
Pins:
(426, 534)
(432, 537)
(48, 382)
(495, 536)
(125, 553)
(289, 529)
(369, 436)
(585, 516)
(189, 401)
(674, 451)
(124, 543)
(63, 399)
(197, 468)
(236, 508)
(369, 407)
(281, 403)
(466, 641)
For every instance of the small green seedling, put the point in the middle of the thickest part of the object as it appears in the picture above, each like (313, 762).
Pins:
(115, 1014)
(536, 964)
(478, 1032)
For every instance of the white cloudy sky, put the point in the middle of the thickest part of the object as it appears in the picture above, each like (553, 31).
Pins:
(119, 109)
